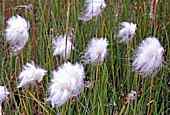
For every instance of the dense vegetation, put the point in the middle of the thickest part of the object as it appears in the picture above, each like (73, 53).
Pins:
(111, 81)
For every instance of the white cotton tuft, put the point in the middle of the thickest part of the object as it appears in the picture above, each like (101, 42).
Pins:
(96, 51)
(30, 74)
(92, 8)
(127, 31)
(67, 82)
(149, 56)
(17, 33)
(63, 45)
(3, 94)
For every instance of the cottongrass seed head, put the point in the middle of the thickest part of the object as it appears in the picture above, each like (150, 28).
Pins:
(67, 82)
(148, 57)
(92, 8)
(96, 51)
(127, 31)
(17, 33)
(3, 94)
(30, 74)
(63, 45)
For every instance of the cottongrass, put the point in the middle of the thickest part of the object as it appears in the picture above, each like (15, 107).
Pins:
(67, 82)
(93, 8)
(148, 57)
(96, 51)
(63, 45)
(30, 75)
(17, 33)
(3, 96)
(127, 31)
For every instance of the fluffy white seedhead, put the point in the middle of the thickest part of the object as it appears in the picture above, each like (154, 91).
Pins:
(62, 46)
(17, 33)
(67, 82)
(3, 93)
(30, 74)
(149, 56)
(96, 51)
(127, 31)
(92, 8)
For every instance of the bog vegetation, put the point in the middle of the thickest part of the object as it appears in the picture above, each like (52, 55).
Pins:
(76, 57)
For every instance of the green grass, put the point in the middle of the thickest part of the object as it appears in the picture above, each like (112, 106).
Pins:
(115, 77)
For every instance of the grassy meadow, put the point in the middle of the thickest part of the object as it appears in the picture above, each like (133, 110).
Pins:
(111, 81)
